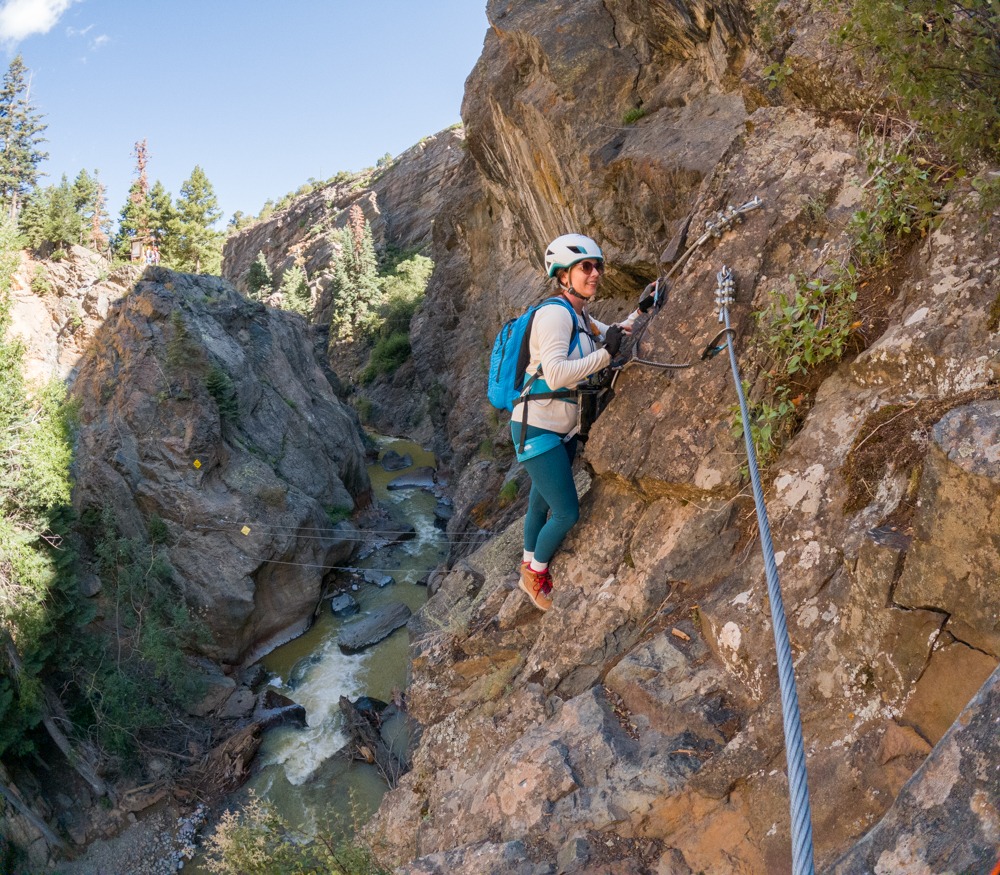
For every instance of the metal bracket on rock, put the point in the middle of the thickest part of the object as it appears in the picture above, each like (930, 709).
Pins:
(713, 230)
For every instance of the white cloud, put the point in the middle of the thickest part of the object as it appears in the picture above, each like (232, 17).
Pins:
(20, 19)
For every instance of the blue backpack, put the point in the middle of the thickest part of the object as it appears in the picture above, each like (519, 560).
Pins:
(510, 357)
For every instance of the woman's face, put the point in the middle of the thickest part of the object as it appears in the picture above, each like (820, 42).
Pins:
(584, 276)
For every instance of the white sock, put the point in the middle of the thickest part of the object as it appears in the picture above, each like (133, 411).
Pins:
(538, 566)
(527, 556)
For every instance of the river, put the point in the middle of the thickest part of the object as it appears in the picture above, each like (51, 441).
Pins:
(313, 790)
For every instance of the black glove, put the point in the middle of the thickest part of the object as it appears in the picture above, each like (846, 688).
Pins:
(649, 297)
(613, 339)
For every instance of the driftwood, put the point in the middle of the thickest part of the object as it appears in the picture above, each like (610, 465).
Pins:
(28, 814)
(224, 768)
(367, 742)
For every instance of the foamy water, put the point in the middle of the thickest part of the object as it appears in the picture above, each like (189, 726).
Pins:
(301, 751)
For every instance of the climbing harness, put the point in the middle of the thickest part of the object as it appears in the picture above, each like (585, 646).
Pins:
(802, 844)
(713, 230)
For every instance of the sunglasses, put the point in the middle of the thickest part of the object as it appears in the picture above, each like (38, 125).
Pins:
(588, 267)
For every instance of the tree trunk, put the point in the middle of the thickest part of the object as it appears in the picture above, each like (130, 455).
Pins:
(25, 811)
(52, 711)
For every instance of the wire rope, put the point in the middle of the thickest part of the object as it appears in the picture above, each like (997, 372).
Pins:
(802, 841)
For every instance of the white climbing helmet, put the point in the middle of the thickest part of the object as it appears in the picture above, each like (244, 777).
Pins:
(567, 250)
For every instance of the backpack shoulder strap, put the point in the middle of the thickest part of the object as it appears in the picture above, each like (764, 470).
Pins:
(574, 338)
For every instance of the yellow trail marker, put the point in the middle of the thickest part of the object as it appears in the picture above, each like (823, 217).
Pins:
(197, 463)
(245, 530)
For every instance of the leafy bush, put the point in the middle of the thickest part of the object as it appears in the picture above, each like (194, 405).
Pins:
(770, 424)
(389, 353)
(40, 283)
(811, 325)
(258, 841)
(633, 115)
(943, 60)
(508, 493)
(181, 346)
(366, 410)
(901, 198)
(140, 673)
(404, 282)
(338, 513)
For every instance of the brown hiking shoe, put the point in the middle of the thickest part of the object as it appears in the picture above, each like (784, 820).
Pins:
(537, 585)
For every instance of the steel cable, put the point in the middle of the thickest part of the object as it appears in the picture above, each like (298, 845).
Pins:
(802, 842)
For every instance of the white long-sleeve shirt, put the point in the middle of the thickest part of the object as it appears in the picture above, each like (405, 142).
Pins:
(551, 332)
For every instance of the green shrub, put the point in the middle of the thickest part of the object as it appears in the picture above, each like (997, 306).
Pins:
(389, 353)
(258, 841)
(810, 325)
(365, 410)
(405, 276)
(336, 513)
(770, 424)
(139, 674)
(633, 115)
(181, 347)
(942, 60)
(40, 283)
(508, 493)
(901, 198)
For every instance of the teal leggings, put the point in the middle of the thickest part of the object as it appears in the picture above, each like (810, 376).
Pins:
(552, 489)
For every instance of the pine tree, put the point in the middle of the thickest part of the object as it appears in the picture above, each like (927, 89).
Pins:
(32, 218)
(295, 294)
(88, 200)
(84, 189)
(133, 221)
(260, 282)
(199, 245)
(99, 232)
(21, 130)
(163, 222)
(356, 288)
(63, 224)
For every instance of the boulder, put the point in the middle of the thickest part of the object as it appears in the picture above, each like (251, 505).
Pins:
(418, 478)
(239, 705)
(274, 709)
(371, 629)
(378, 578)
(344, 605)
(393, 461)
(945, 817)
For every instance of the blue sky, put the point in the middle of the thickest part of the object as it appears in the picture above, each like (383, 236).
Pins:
(262, 95)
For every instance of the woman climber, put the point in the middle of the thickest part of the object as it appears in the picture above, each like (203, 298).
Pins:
(564, 342)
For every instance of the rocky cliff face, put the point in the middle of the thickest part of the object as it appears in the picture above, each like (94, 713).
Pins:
(636, 727)
(212, 415)
(404, 203)
(401, 203)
